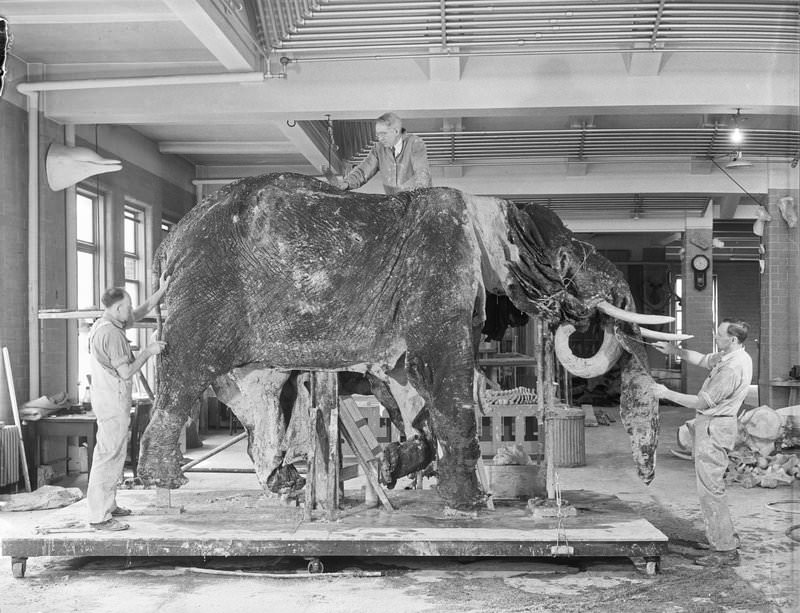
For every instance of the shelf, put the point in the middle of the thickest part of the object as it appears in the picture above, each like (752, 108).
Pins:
(507, 359)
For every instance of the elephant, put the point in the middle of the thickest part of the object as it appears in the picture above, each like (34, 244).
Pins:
(282, 273)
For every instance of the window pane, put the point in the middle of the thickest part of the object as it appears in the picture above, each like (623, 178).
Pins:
(133, 334)
(85, 218)
(84, 367)
(131, 268)
(130, 235)
(132, 287)
(86, 290)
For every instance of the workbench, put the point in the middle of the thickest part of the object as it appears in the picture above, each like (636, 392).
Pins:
(246, 523)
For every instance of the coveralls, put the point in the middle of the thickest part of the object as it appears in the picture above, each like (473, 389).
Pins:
(400, 173)
(715, 428)
(111, 401)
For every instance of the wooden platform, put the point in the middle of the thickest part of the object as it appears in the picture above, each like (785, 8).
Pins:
(222, 523)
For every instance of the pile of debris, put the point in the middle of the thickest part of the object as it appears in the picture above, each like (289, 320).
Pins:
(751, 469)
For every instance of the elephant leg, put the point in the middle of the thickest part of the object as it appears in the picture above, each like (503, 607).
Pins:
(253, 394)
(408, 400)
(159, 452)
(442, 373)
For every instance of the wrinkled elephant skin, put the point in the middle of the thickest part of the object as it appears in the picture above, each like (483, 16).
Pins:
(290, 273)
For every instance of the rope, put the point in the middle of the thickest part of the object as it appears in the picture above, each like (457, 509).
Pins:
(770, 506)
(560, 532)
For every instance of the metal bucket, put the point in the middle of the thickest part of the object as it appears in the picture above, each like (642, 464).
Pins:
(567, 435)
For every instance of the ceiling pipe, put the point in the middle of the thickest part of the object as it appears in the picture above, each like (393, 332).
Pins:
(82, 84)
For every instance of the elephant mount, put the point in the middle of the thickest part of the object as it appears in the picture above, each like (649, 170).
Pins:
(281, 274)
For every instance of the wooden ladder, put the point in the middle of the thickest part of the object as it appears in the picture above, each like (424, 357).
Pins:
(362, 441)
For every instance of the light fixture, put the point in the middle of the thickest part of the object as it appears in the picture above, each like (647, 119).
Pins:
(738, 161)
(737, 136)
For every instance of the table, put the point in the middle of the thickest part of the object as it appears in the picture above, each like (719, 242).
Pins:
(794, 389)
(80, 424)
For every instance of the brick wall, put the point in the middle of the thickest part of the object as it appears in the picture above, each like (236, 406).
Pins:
(698, 306)
(13, 251)
(780, 297)
(738, 297)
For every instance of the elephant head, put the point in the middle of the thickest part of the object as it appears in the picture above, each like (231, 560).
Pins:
(562, 279)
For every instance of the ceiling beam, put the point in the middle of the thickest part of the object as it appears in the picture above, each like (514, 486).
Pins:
(86, 11)
(343, 92)
(222, 35)
(226, 147)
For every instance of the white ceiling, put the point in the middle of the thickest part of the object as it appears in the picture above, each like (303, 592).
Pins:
(535, 100)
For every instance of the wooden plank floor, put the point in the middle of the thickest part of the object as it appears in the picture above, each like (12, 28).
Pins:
(225, 523)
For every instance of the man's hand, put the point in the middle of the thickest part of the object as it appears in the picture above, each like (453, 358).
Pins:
(155, 346)
(339, 182)
(667, 348)
(659, 390)
(163, 281)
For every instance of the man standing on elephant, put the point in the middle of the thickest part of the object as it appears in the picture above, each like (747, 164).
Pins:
(113, 367)
(401, 158)
(715, 428)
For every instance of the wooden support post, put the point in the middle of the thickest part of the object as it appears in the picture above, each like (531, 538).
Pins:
(549, 401)
(163, 504)
(325, 396)
(540, 385)
(311, 477)
(15, 410)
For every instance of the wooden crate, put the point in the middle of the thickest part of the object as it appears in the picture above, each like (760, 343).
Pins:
(509, 424)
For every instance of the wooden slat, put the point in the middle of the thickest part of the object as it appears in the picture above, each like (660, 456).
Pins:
(359, 441)
(15, 410)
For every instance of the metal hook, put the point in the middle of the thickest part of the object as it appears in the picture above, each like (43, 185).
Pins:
(291, 123)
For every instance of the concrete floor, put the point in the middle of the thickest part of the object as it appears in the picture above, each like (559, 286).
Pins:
(767, 580)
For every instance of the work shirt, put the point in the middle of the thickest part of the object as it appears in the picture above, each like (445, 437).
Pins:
(400, 172)
(109, 349)
(726, 386)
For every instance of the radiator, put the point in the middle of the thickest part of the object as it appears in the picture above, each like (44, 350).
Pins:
(9, 455)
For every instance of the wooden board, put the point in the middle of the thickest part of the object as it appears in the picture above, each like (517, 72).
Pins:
(247, 524)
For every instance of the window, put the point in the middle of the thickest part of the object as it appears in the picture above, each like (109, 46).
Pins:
(509, 428)
(136, 230)
(679, 321)
(134, 261)
(531, 428)
(486, 429)
(87, 282)
(166, 227)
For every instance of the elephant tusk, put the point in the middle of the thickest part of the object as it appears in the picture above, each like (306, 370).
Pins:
(600, 363)
(633, 316)
(664, 336)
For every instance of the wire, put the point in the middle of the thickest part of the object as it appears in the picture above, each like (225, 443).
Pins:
(741, 187)
(770, 506)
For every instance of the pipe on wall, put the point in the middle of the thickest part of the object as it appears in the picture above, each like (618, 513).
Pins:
(33, 243)
(71, 259)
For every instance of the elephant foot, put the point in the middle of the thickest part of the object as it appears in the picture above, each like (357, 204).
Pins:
(285, 480)
(166, 472)
(401, 459)
(458, 487)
